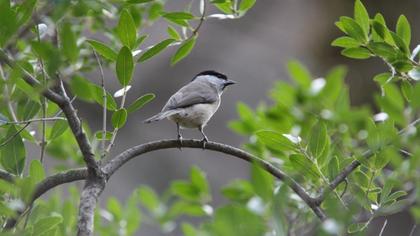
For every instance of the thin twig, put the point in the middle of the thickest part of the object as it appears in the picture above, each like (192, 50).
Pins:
(104, 98)
(43, 105)
(46, 119)
(412, 230)
(115, 131)
(383, 227)
(14, 135)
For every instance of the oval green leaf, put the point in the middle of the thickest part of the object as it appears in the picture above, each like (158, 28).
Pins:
(68, 43)
(275, 140)
(103, 49)
(126, 29)
(140, 102)
(183, 51)
(156, 49)
(59, 127)
(124, 66)
(13, 152)
(119, 118)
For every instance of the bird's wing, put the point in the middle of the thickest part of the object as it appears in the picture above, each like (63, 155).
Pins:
(193, 93)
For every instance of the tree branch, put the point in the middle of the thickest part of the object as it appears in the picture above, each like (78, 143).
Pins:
(30, 79)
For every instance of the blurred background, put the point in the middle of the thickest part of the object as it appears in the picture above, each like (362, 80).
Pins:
(253, 51)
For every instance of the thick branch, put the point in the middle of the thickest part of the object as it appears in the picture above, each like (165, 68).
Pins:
(114, 164)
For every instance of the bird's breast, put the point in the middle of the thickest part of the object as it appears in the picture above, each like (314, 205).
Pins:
(196, 115)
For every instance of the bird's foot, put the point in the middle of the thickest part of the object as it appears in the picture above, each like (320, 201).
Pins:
(180, 142)
(204, 141)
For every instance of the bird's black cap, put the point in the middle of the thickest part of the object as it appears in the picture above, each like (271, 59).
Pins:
(212, 73)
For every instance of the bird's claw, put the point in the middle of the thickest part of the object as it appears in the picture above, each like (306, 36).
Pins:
(180, 142)
(204, 141)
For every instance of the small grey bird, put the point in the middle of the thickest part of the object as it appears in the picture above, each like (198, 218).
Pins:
(195, 103)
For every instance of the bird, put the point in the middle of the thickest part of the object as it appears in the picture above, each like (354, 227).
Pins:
(194, 104)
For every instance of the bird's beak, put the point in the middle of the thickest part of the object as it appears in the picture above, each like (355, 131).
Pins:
(229, 82)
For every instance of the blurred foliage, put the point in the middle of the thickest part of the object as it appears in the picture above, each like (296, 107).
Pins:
(309, 129)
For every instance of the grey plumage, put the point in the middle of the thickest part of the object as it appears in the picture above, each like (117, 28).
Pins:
(196, 92)
(194, 104)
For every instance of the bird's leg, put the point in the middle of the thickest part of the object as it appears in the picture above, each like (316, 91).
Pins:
(205, 139)
(179, 135)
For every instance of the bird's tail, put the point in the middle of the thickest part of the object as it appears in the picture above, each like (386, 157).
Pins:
(161, 115)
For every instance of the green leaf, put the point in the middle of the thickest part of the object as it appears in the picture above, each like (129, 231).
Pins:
(361, 178)
(103, 49)
(140, 102)
(115, 208)
(141, 39)
(246, 5)
(299, 73)
(407, 90)
(382, 49)
(353, 29)
(188, 230)
(46, 224)
(357, 53)
(238, 190)
(401, 44)
(13, 153)
(386, 190)
(183, 50)
(199, 180)
(139, 1)
(68, 42)
(345, 42)
(173, 33)
(100, 135)
(179, 15)
(380, 29)
(8, 21)
(361, 16)
(148, 198)
(415, 100)
(36, 171)
(333, 168)
(396, 195)
(27, 109)
(59, 127)
(357, 227)
(126, 29)
(383, 78)
(404, 30)
(124, 66)
(236, 220)
(185, 190)
(275, 140)
(99, 98)
(119, 118)
(156, 49)
(262, 182)
(318, 142)
(25, 10)
(304, 166)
